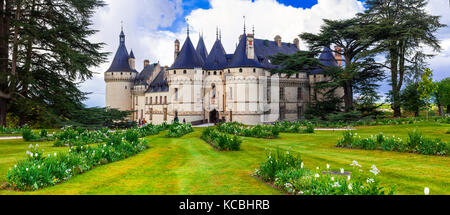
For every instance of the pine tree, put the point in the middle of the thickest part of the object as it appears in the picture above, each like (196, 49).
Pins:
(44, 51)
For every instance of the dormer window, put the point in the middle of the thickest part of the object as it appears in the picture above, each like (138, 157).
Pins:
(174, 72)
(240, 70)
(254, 70)
(215, 73)
(184, 71)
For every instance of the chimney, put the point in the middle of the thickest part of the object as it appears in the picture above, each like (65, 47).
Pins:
(146, 63)
(166, 72)
(338, 55)
(278, 40)
(297, 43)
(177, 49)
(250, 47)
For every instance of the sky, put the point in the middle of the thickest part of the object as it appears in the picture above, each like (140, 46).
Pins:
(152, 26)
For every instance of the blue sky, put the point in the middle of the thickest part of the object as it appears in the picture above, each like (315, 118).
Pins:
(152, 26)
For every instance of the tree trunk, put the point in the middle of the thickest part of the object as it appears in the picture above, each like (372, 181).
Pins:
(441, 110)
(416, 113)
(3, 112)
(395, 91)
(348, 96)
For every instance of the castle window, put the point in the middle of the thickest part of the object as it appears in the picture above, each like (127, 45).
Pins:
(156, 100)
(160, 100)
(142, 114)
(203, 72)
(151, 113)
(299, 94)
(146, 100)
(297, 75)
(215, 73)
(231, 93)
(174, 72)
(165, 114)
(229, 71)
(151, 100)
(121, 73)
(281, 93)
(299, 112)
(126, 87)
(184, 71)
(213, 86)
(240, 70)
(165, 99)
(176, 94)
(137, 100)
(220, 73)
(254, 70)
(209, 73)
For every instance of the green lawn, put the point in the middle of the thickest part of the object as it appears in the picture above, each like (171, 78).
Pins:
(188, 165)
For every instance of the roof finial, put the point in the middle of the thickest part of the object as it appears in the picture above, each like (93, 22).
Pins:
(187, 21)
(220, 34)
(244, 26)
(253, 30)
(121, 25)
(217, 32)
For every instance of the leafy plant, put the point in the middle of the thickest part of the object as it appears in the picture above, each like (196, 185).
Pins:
(220, 141)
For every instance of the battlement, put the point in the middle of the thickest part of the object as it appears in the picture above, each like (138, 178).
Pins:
(120, 76)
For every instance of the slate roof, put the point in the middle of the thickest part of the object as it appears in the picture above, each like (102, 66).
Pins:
(159, 84)
(240, 58)
(265, 48)
(188, 58)
(201, 49)
(327, 59)
(144, 75)
(217, 59)
(132, 54)
(120, 62)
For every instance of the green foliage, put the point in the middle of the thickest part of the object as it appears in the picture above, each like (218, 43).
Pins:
(95, 118)
(416, 143)
(411, 100)
(259, 131)
(4, 130)
(70, 137)
(179, 130)
(39, 171)
(220, 141)
(288, 173)
(29, 136)
(442, 94)
(295, 127)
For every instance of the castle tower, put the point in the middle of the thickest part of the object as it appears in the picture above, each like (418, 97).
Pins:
(214, 84)
(119, 79)
(185, 78)
(201, 48)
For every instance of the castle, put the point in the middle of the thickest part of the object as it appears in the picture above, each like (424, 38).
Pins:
(203, 87)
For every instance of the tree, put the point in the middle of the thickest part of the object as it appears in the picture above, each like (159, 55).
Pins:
(442, 96)
(411, 100)
(427, 88)
(94, 118)
(402, 28)
(44, 51)
(359, 70)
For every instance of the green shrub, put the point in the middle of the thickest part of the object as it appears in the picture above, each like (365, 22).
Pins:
(179, 130)
(38, 171)
(220, 141)
(259, 131)
(416, 143)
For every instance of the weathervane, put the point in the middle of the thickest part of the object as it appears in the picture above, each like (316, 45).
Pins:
(187, 21)
(121, 25)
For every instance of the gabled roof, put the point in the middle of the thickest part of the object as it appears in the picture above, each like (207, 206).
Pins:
(327, 59)
(120, 62)
(217, 59)
(240, 58)
(144, 75)
(188, 58)
(159, 84)
(201, 49)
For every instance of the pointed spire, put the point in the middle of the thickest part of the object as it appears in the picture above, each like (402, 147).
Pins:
(217, 33)
(220, 34)
(253, 30)
(245, 28)
(187, 22)
(132, 54)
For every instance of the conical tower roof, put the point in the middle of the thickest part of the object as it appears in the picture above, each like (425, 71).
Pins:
(240, 58)
(120, 62)
(201, 49)
(188, 58)
(217, 59)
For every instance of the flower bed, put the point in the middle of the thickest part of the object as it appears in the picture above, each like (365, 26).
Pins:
(287, 173)
(29, 136)
(416, 143)
(221, 141)
(295, 127)
(40, 171)
(70, 137)
(179, 130)
(259, 131)
(387, 121)
(5, 130)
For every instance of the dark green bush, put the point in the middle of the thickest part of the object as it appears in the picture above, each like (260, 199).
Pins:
(220, 141)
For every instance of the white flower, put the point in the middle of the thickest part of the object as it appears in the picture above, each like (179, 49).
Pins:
(350, 187)
(54, 154)
(287, 152)
(28, 152)
(37, 145)
(31, 146)
(302, 165)
(332, 178)
(26, 169)
(36, 154)
(39, 166)
(317, 167)
(355, 163)
(342, 171)
(348, 178)
(15, 166)
(336, 184)
(328, 166)
(300, 193)
(374, 170)
(316, 175)
(370, 180)
(426, 191)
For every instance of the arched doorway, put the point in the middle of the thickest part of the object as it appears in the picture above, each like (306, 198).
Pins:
(213, 116)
